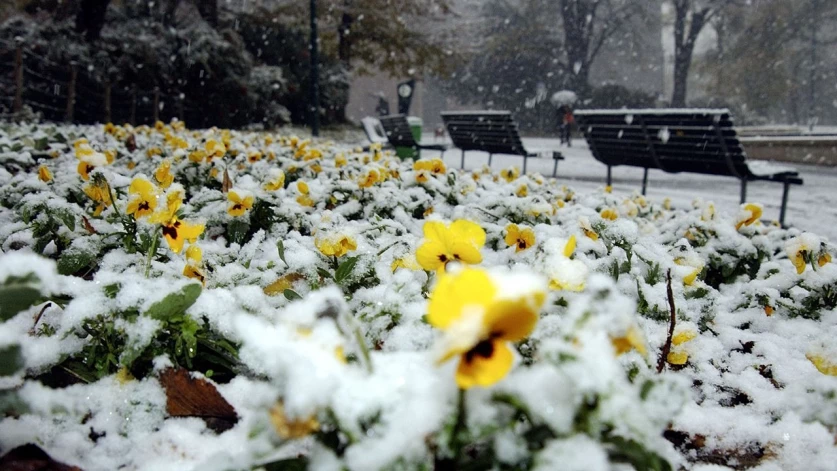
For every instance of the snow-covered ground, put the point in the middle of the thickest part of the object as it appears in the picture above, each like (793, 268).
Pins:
(811, 207)
(213, 299)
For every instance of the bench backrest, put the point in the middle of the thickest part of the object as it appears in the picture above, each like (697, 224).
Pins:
(699, 141)
(374, 130)
(494, 132)
(398, 130)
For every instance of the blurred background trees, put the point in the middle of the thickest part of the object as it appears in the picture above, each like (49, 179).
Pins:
(240, 62)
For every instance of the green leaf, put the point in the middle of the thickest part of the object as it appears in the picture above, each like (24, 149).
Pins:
(280, 246)
(345, 269)
(112, 290)
(41, 144)
(72, 261)
(10, 360)
(175, 303)
(17, 294)
(325, 274)
(67, 218)
(291, 295)
(237, 231)
(629, 451)
(289, 464)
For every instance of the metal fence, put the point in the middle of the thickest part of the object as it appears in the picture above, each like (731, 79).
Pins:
(69, 93)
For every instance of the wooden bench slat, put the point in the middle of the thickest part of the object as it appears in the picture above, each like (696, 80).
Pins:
(494, 132)
(693, 141)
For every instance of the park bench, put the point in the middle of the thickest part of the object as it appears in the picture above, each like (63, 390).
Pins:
(374, 132)
(399, 134)
(673, 140)
(494, 132)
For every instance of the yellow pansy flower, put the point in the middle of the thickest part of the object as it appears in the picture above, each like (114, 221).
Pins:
(240, 202)
(510, 174)
(479, 320)
(695, 266)
(335, 245)
(98, 191)
(194, 256)
(632, 340)
(110, 128)
(197, 156)
(152, 151)
(340, 160)
(214, 148)
(408, 261)
(609, 214)
(144, 200)
(163, 174)
(254, 156)
(522, 191)
(749, 214)
(277, 180)
(422, 176)
(565, 273)
(800, 250)
(584, 223)
(823, 259)
(460, 241)
(520, 239)
(678, 354)
(608, 189)
(291, 429)
(44, 174)
(88, 159)
(177, 232)
(369, 178)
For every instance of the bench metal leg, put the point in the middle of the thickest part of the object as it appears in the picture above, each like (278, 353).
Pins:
(644, 179)
(490, 156)
(784, 204)
(462, 165)
(609, 183)
(555, 168)
(524, 164)
(743, 190)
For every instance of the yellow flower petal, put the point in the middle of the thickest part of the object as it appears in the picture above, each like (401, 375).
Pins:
(454, 293)
(513, 320)
(290, 429)
(484, 365)
(677, 357)
(570, 247)
(823, 365)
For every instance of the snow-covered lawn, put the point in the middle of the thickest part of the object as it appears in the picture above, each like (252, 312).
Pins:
(177, 299)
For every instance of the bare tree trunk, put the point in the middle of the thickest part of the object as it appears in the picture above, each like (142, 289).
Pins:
(18, 102)
(208, 10)
(685, 36)
(91, 18)
(577, 19)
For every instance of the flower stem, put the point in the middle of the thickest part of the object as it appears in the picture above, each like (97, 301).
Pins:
(151, 251)
(334, 263)
(364, 349)
(461, 416)
(112, 199)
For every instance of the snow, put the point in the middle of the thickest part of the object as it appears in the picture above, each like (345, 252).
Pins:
(357, 356)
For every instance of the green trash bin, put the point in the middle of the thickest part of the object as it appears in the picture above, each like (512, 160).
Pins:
(408, 152)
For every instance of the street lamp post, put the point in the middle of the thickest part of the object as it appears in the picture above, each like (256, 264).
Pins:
(315, 82)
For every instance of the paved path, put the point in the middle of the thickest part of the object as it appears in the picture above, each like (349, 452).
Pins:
(811, 207)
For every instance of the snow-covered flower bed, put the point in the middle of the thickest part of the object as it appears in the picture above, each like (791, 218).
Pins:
(177, 299)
